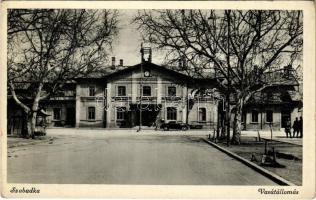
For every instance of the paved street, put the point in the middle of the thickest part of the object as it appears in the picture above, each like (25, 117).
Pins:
(127, 157)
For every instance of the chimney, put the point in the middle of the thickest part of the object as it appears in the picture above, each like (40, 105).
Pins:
(146, 52)
(180, 63)
(183, 62)
(121, 62)
(113, 63)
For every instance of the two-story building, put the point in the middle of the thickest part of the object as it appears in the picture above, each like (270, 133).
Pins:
(147, 91)
(147, 94)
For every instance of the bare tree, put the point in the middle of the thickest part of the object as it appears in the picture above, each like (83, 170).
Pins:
(241, 46)
(47, 48)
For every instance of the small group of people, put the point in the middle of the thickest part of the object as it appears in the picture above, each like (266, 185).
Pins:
(297, 128)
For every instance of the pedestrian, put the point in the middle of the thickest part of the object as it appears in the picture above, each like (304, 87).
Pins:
(300, 126)
(157, 124)
(288, 128)
(295, 127)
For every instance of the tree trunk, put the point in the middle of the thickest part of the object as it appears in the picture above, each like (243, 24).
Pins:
(27, 125)
(30, 120)
(237, 122)
(33, 124)
(30, 114)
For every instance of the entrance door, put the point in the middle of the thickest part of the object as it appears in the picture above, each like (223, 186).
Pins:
(149, 115)
(70, 116)
(285, 114)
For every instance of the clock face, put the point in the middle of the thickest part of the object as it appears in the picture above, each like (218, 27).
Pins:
(147, 73)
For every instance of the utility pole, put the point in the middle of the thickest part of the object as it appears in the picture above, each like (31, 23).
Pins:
(141, 87)
(228, 78)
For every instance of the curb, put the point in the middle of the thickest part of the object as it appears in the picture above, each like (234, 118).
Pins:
(29, 143)
(276, 178)
(283, 142)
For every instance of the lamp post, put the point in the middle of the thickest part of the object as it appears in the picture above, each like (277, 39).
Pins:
(141, 88)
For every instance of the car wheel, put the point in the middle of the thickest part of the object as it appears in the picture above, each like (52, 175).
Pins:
(165, 128)
(184, 128)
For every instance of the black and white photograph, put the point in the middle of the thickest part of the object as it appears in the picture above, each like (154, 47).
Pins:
(156, 97)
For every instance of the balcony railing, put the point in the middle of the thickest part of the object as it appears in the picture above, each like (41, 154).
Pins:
(122, 98)
(62, 98)
(147, 98)
(171, 98)
(165, 98)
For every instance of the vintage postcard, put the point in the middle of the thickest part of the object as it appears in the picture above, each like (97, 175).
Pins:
(158, 99)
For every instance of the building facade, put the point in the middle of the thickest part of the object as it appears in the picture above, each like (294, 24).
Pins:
(148, 95)
(150, 92)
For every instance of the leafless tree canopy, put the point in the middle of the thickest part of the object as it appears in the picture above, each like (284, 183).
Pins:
(259, 38)
(50, 47)
(240, 45)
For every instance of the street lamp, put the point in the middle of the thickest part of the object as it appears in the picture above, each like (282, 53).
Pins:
(141, 87)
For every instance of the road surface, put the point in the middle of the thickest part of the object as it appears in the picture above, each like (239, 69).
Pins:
(127, 158)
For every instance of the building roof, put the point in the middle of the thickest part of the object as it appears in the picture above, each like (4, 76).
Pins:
(121, 70)
(147, 65)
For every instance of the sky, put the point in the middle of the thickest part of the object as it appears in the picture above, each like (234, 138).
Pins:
(128, 43)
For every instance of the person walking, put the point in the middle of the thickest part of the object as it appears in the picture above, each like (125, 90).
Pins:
(300, 126)
(295, 127)
(288, 128)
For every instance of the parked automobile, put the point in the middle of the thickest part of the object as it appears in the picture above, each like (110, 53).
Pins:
(174, 125)
(196, 126)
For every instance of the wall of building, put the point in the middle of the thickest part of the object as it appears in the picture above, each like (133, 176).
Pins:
(262, 123)
(63, 106)
(159, 84)
(159, 81)
(211, 114)
(84, 101)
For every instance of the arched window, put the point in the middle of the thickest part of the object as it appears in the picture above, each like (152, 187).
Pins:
(171, 113)
(91, 91)
(146, 91)
(120, 113)
(91, 113)
(172, 91)
(121, 91)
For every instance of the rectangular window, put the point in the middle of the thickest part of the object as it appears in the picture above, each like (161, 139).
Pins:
(121, 91)
(120, 113)
(146, 91)
(172, 91)
(171, 113)
(269, 116)
(202, 114)
(57, 113)
(91, 113)
(254, 116)
(91, 91)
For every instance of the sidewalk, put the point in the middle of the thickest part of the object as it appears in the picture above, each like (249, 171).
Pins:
(17, 142)
(288, 152)
(276, 135)
(90, 132)
(100, 132)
